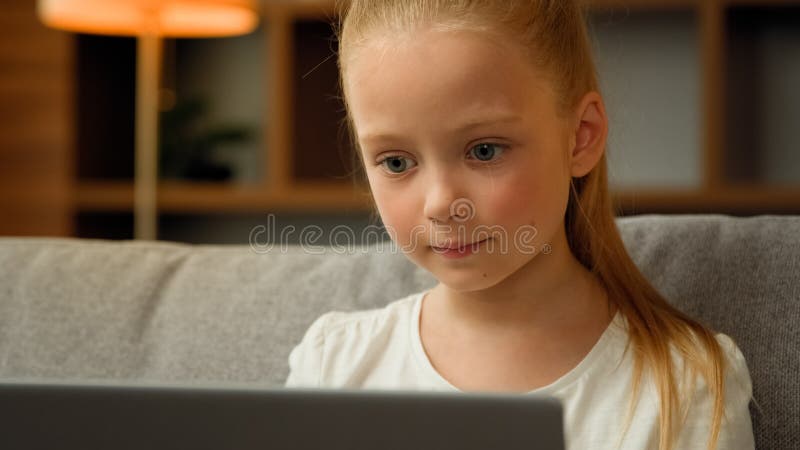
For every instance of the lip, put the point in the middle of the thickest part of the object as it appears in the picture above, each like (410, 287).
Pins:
(458, 252)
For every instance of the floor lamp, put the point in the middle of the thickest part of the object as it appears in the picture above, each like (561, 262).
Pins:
(150, 21)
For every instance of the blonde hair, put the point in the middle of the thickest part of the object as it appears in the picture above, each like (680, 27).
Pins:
(557, 30)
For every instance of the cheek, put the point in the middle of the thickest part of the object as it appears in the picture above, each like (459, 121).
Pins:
(396, 211)
(531, 197)
(516, 198)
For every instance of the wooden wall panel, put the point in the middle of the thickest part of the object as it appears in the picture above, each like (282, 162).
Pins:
(36, 124)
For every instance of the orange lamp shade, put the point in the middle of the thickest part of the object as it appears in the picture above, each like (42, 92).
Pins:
(169, 18)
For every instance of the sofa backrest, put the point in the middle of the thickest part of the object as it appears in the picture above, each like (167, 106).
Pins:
(169, 312)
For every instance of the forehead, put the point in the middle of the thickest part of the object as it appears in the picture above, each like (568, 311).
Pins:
(440, 79)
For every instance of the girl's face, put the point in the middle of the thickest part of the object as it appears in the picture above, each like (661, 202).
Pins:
(461, 140)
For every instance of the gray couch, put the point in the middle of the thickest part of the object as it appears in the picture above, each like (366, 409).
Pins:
(158, 311)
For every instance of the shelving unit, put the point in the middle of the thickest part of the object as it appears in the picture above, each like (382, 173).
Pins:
(764, 102)
(36, 109)
(728, 125)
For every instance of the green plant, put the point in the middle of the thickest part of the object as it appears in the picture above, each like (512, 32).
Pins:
(186, 146)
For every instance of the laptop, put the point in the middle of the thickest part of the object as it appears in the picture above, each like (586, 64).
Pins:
(73, 416)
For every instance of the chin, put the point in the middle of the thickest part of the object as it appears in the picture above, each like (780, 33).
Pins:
(465, 279)
(462, 276)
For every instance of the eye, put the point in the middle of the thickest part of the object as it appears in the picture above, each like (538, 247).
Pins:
(486, 151)
(397, 164)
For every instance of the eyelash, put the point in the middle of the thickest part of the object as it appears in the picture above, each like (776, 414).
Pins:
(502, 148)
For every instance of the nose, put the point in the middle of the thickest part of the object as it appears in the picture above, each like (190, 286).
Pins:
(442, 197)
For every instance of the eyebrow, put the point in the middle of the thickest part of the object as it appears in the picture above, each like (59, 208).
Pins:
(471, 125)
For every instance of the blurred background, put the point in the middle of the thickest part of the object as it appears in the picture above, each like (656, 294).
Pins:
(702, 96)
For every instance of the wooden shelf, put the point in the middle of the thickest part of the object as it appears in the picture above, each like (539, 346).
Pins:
(298, 38)
(732, 135)
(186, 197)
(732, 200)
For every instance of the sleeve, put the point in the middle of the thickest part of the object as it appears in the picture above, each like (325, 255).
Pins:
(305, 360)
(736, 429)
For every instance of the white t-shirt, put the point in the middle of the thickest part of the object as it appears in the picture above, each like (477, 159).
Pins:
(382, 349)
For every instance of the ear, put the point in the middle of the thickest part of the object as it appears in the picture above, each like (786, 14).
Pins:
(588, 137)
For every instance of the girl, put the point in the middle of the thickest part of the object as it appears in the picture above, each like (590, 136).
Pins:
(482, 134)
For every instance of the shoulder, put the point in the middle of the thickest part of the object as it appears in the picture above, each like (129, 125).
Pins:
(736, 375)
(735, 370)
(339, 337)
(736, 364)
(338, 324)
(736, 426)
(738, 388)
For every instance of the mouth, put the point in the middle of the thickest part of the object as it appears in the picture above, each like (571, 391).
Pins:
(459, 246)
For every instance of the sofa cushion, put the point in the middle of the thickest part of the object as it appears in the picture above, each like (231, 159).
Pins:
(160, 311)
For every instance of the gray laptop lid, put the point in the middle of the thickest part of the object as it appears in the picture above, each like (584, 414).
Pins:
(147, 417)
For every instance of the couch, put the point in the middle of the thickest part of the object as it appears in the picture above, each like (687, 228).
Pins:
(80, 309)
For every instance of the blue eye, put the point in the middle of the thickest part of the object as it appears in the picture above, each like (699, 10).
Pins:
(486, 151)
(397, 164)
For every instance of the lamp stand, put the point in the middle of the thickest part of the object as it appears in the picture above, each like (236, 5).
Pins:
(149, 47)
